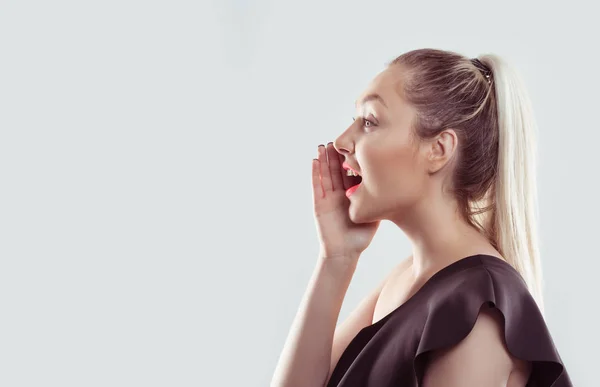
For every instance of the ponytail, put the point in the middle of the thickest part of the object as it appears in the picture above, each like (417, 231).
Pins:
(514, 220)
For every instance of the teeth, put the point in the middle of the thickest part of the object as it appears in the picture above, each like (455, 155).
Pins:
(350, 172)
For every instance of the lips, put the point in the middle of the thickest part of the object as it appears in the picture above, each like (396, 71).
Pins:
(354, 180)
(347, 167)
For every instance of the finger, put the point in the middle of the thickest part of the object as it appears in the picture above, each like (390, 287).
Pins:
(345, 179)
(335, 167)
(325, 174)
(316, 180)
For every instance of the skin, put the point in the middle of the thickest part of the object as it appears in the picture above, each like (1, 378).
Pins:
(405, 181)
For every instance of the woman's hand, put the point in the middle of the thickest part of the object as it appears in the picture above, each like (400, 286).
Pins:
(338, 235)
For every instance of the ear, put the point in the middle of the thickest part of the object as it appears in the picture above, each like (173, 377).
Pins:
(442, 149)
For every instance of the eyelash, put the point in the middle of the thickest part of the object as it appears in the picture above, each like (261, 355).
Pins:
(365, 120)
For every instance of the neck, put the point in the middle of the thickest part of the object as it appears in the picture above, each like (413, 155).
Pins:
(439, 235)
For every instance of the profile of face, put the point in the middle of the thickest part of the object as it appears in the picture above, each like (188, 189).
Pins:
(400, 173)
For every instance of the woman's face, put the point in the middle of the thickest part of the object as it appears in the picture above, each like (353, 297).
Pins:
(381, 146)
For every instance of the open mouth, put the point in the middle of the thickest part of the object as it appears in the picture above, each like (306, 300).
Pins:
(353, 176)
(355, 180)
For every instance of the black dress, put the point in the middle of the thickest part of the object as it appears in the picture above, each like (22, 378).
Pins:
(393, 351)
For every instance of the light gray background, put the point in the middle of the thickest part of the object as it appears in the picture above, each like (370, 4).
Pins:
(155, 195)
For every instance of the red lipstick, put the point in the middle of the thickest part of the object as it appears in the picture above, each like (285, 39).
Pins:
(351, 190)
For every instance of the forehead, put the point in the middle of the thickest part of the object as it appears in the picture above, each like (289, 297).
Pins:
(385, 87)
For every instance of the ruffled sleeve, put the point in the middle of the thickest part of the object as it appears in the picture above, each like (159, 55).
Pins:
(525, 332)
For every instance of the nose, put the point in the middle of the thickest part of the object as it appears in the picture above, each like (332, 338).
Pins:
(339, 148)
(344, 144)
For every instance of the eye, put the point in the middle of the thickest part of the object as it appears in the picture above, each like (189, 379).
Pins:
(365, 122)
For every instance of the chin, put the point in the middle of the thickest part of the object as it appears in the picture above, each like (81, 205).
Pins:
(357, 216)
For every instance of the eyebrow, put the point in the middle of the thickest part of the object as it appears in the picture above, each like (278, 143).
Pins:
(371, 97)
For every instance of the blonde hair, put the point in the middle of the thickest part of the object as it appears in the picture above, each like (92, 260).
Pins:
(495, 175)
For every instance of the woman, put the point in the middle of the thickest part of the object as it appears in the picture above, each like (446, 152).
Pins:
(445, 148)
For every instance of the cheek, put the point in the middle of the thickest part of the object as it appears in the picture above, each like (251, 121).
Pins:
(393, 171)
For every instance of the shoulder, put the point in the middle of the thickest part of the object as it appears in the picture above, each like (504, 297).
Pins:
(484, 312)
(391, 279)
(480, 359)
(478, 280)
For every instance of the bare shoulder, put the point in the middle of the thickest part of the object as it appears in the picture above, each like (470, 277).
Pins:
(402, 266)
(481, 358)
(391, 279)
(394, 290)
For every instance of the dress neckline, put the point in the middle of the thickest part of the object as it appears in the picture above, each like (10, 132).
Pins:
(455, 266)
